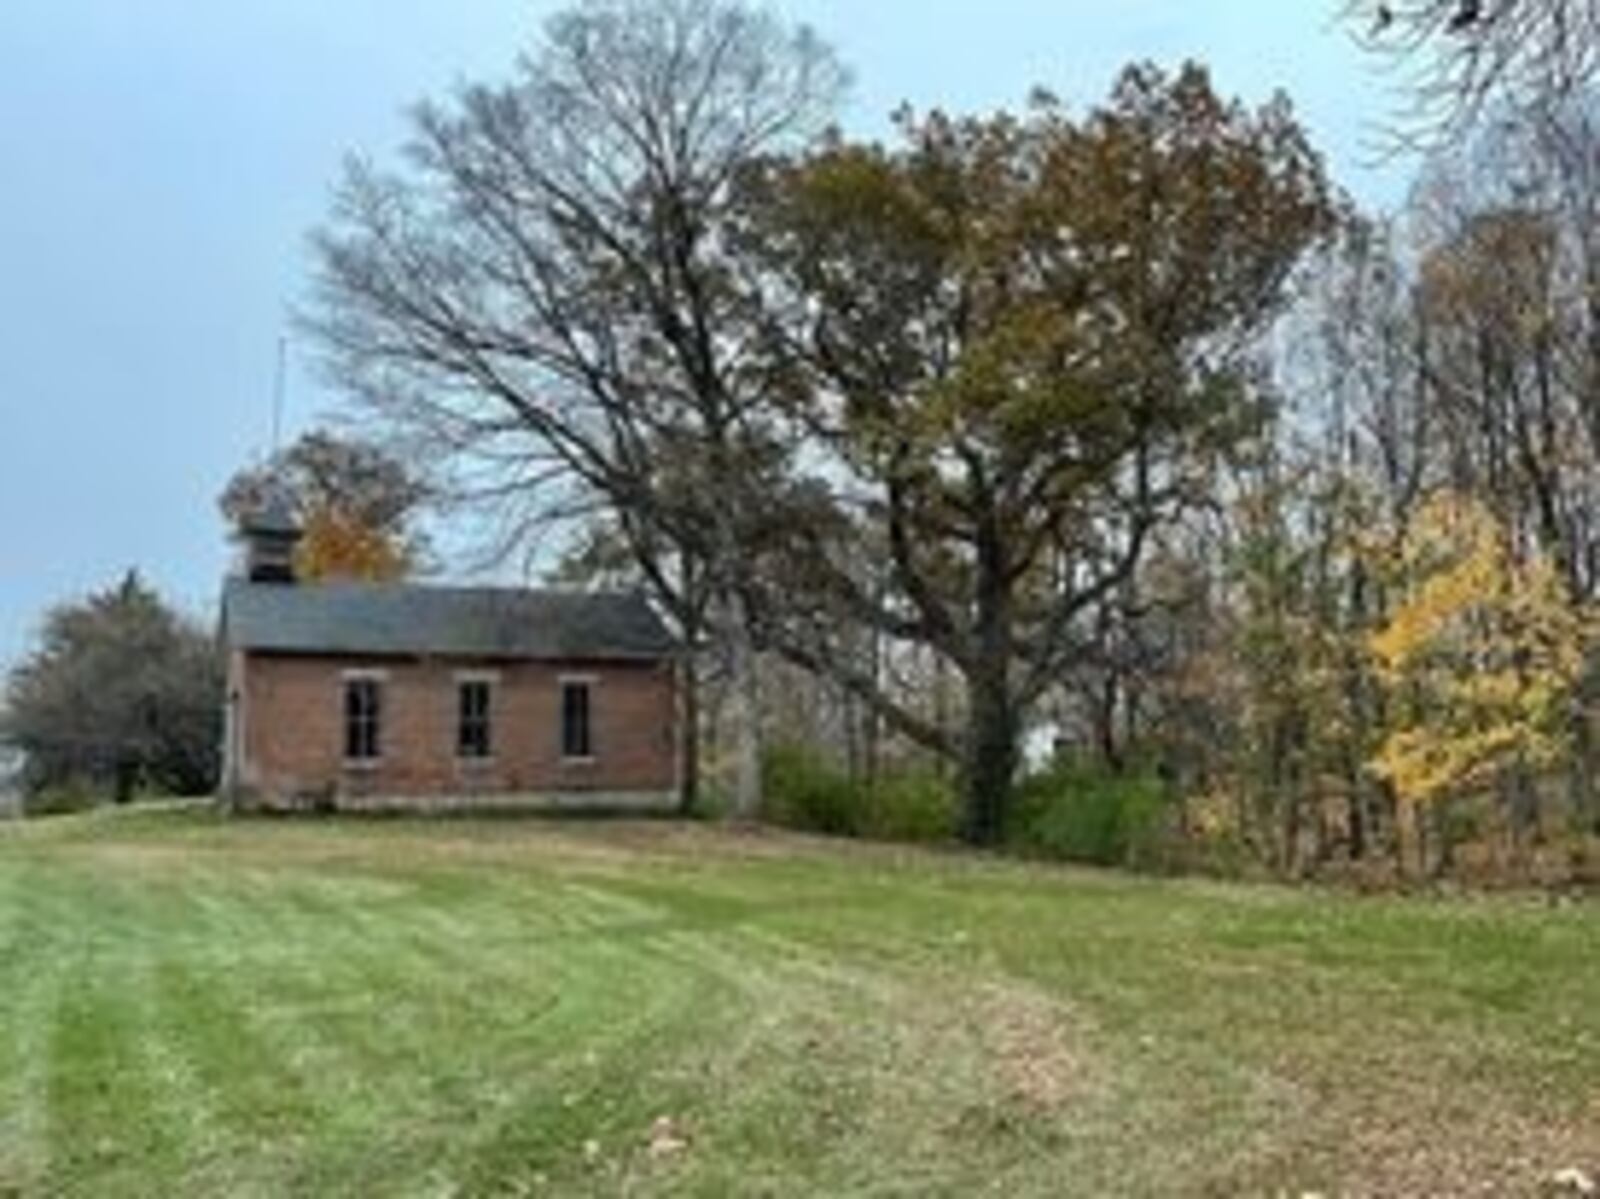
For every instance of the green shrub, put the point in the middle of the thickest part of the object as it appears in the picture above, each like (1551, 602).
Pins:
(711, 801)
(60, 799)
(802, 790)
(914, 805)
(1082, 813)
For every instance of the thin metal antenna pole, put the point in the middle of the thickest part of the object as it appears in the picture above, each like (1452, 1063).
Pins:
(277, 394)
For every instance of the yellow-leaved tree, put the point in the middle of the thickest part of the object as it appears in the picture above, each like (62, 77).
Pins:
(1479, 657)
(339, 545)
(356, 504)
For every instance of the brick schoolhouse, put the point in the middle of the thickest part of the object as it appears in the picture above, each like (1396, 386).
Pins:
(364, 695)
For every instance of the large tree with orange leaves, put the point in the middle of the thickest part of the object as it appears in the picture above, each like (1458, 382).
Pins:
(356, 502)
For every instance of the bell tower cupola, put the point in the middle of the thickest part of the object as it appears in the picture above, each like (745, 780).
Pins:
(269, 535)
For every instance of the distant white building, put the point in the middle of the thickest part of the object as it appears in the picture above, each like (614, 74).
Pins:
(1039, 746)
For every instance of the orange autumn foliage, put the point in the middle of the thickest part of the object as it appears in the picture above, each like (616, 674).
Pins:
(338, 546)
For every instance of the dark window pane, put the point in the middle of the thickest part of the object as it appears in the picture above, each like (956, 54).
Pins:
(472, 725)
(575, 736)
(361, 719)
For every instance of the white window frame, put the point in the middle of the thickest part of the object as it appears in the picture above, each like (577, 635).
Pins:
(491, 679)
(361, 675)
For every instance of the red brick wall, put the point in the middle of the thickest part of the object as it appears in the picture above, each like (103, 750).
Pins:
(293, 728)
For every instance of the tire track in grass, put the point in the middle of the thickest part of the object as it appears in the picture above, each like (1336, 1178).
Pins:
(347, 984)
(180, 1097)
(259, 1107)
(264, 1079)
(35, 913)
(24, 1058)
(566, 1068)
(802, 1084)
(408, 1009)
(634, 1015)
(218, 986)
(729, 991)
(149, 917)
(771, 1011)
(112, 1125)
(462, 1021)
(15, 987)
(852, 1071)
(246, 953)
(513, 975)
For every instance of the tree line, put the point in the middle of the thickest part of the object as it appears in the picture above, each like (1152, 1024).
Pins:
(1404, 589)
(1122, 421)
(937, 395)
(1118, 430)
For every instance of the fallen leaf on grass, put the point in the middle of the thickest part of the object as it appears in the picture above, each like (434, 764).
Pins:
(666, 1138)
(1571, 1181)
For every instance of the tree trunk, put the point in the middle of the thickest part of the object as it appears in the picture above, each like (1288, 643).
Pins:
(1441, 831)
(870, 735)
(850, 724)
(1105, 721)
(689, 696)
(1132, 721)
(1355, 819)
(1289, 833)
(992, 721)
(941, 708)
(122, 783)
(991, 754)
(1522, 806)
(1581, 772)
(744, 712)
(689, 728)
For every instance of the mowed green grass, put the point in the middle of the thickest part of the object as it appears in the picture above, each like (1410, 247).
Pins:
(193, 1006)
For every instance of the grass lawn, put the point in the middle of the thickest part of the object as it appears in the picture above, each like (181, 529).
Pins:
(191, 1006)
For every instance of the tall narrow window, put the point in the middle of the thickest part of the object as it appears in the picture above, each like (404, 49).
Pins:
(473, 733)
(363, 715)
(576, 739)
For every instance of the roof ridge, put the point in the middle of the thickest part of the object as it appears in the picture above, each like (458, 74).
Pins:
(349, 616)
(439, 588)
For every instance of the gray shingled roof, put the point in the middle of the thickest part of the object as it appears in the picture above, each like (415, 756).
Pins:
(485, 622)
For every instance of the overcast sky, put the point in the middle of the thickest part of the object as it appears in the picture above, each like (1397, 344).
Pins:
(162, 160)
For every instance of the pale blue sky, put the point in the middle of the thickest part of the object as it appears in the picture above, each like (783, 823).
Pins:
(162, 160)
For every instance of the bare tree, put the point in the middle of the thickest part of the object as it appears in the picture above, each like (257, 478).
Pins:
(545, 291)
(1459, 59)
